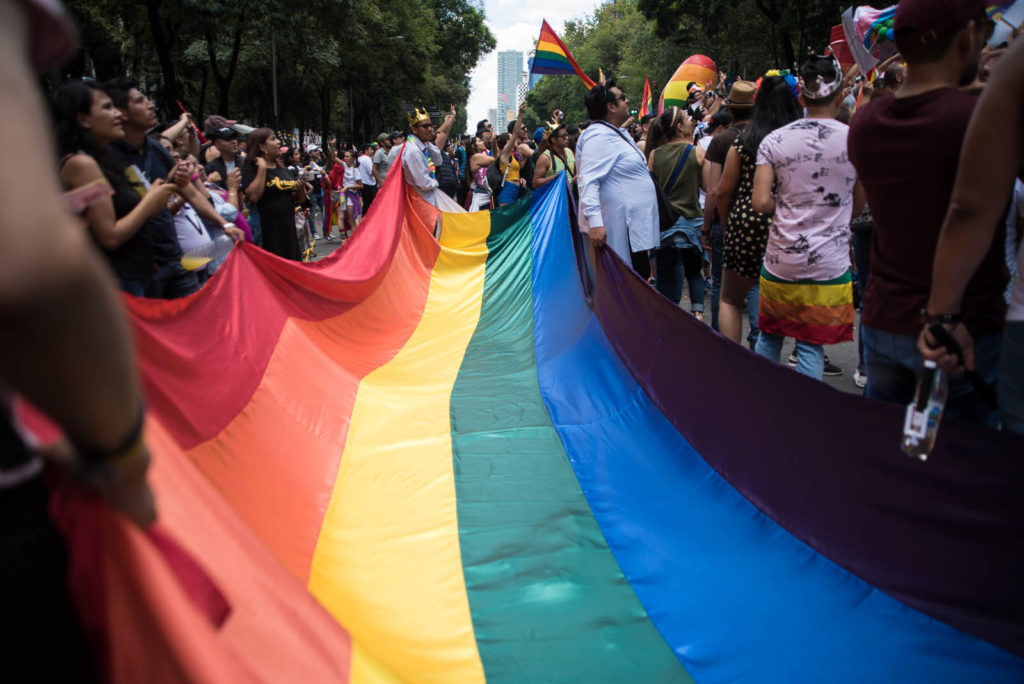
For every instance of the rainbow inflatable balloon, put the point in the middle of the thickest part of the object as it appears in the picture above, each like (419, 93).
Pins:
(874, 26)
(502, 457)
(697, 69)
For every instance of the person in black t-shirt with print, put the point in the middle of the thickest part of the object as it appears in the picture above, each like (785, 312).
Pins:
(275, 191)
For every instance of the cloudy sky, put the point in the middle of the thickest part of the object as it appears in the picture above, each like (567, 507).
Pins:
(516, 25)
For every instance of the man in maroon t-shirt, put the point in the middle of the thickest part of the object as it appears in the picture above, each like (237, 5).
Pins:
(906, 148)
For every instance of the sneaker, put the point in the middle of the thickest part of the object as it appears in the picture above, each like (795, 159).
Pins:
(860, 379)
(831, 368)
(699, 315)
(791, 361)
(330, 238)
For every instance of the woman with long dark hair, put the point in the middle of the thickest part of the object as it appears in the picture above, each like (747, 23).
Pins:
(275, 191)
(676, 163)
(746, 230)
(478, 161)
(116, 213)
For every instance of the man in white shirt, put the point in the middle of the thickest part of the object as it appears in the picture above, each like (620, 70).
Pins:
(618, 205)
(366, 175)
(420, 159)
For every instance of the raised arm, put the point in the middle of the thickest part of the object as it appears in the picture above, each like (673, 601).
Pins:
(254, 191)
(445, 130)
(506, 152)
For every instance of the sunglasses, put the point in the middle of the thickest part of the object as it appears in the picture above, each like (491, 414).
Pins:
(425, 125)
(621, 98)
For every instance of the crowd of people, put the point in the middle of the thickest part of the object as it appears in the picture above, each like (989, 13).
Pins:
(791, 197)
(781, 189)
(792, 189)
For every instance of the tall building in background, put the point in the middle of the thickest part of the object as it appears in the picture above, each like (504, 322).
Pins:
(533, 78)
(510, 70)
(492, 115)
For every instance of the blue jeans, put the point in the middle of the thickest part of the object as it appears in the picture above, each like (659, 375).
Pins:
(171, 282)
(135, 288)
(862, 260)
(509, 193)
(254, 226)
(1011, 379)
(676, 264)
(753, 304)
(894, 367)
(316, 214)
(810, 358)
(717, 252)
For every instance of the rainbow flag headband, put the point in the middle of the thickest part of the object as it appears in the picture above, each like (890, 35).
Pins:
(791, 79)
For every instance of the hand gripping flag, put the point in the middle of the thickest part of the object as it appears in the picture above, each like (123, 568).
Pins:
(554, 58)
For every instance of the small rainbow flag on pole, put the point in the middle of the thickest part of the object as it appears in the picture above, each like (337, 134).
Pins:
(645, 101)
(554, 58)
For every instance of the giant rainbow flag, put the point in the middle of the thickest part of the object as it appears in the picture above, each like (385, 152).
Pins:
(553, 57)
(503, 457)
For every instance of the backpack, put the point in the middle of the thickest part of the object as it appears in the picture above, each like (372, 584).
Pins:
(495, 177)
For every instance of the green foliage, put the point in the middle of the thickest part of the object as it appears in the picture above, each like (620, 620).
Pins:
(631, 39)
(343, 66)
(756, 34)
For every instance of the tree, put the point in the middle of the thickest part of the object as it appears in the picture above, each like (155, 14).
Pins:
(343, 66)
(795, 25)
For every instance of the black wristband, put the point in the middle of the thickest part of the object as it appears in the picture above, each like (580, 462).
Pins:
(945, 318)
(126, 448)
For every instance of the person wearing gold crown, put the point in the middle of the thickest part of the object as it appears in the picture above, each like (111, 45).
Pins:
(556, 158)
(421, 157)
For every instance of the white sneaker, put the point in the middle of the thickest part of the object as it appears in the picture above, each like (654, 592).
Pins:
(860, 379)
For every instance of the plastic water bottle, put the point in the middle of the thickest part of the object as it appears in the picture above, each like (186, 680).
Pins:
(214, 250)
(921, 425)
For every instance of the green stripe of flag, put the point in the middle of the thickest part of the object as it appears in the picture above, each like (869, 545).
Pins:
(547, 598)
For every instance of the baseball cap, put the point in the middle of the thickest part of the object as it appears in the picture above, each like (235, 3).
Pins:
(395, 134)
(382, 137)
(224, 133)
(718, 120)
(935, 17)
(538, 134)
(215, 122)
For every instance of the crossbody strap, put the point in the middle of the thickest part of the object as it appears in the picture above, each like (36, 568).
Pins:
(674, 178)
(621, 135)
(675, 173)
